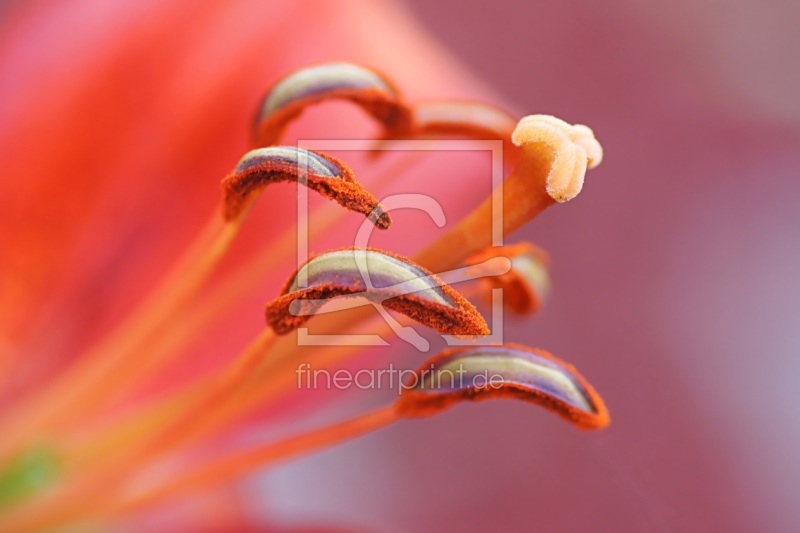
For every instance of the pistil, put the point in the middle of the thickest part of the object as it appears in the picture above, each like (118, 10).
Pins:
(551, 169)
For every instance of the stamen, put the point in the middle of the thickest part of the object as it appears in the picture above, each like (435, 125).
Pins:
(343, 81)
(463, 118)
(511, 371)
(472, 120)
(526, 285)
(552, 166)
(383, 277)
(325, 174)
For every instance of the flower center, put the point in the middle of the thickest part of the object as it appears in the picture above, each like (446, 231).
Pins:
(109, 462)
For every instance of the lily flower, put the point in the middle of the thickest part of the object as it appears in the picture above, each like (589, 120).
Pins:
(136, 367)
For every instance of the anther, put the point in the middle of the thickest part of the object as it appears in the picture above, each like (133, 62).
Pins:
(288, 98)
(381, 277)
(509, 371)
(323, 173)
(526, 285)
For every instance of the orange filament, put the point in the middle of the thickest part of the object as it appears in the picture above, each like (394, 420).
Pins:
(155, 425)
(471, 120)
(233, 466)
(75, 503)
(109, 460)
(87, 384)
(273, 377)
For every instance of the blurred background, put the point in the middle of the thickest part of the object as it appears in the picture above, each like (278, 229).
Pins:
(675, 287)
(675, 271)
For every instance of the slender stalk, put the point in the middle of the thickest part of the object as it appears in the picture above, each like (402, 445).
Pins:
(524, 197)
(64, 505)
(123, 354)
(231, 467)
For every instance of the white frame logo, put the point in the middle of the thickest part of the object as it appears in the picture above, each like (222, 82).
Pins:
(421, 202)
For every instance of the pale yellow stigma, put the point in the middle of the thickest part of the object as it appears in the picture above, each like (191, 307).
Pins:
(575, 149)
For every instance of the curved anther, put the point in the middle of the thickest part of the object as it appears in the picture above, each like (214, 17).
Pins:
(323, 173)
(290, 96)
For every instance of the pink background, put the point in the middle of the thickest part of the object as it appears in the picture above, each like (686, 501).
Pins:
(675, 278)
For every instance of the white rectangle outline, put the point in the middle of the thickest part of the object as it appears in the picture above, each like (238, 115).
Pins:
(304, 338)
